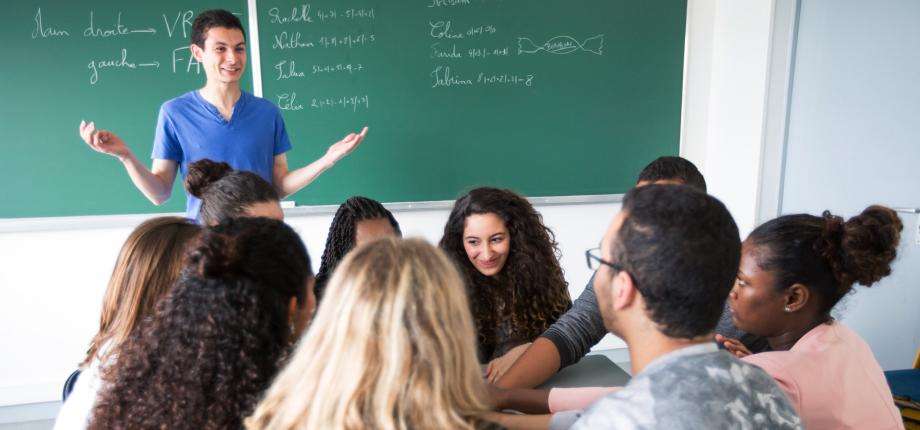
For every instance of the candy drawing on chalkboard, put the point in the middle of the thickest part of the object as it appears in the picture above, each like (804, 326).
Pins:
(562, 45)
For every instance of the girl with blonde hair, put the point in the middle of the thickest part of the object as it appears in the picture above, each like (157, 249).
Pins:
(391, 348)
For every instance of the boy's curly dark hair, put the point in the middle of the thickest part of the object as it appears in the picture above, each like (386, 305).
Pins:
(216, 341)
(531, 289)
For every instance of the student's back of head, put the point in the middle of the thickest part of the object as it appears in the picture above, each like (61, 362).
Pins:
(391, 347)
(147, 267)
(670, 169)
(216, 340)
(357, 220)
(228, 193)
(682, 248)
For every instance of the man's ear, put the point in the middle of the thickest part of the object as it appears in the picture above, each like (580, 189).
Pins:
(624, 290)
(197, 52)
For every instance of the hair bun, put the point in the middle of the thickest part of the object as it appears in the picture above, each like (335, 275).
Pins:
(203, 173)
(215, 255)
(861, 249)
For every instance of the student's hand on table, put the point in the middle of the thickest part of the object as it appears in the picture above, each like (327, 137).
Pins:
(103, 141)
(497, 367)
(733, 346)
(344, 147)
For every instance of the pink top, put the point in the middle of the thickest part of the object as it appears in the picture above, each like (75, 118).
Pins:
(833, 380)
(567, 399)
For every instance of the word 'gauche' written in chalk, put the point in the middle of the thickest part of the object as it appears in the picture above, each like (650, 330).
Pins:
(95, 66)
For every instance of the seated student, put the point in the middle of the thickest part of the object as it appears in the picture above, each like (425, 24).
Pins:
(391, 348)
(570, 338)
(216, 340)
(357, 221)
(146, 269)
(227, 193)
(509, 261)
(663, 271)
(794, 269)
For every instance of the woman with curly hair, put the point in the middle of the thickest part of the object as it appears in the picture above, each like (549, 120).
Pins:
(217, 339)
(357, 221)
(146, 269)
(794, 270)
(509, 262)
(391, 348)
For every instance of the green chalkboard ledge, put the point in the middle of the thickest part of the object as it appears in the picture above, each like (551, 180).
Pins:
(94, 222)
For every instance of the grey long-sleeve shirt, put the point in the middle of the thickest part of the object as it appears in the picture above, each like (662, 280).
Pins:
(582, 327)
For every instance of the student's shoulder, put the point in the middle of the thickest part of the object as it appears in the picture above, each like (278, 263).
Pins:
(260, 103)
(180, 103)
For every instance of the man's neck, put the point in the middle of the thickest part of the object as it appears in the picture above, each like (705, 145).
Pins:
(647, 346)
(222, 95)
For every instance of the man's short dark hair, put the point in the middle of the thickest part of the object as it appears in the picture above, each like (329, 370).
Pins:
(213, 18)
(682, 249)
(673, 168)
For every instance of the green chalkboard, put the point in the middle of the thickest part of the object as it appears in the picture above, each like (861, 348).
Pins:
(114, 62)
(545, 97)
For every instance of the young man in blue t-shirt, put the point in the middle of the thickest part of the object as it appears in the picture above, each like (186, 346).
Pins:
(219, 122)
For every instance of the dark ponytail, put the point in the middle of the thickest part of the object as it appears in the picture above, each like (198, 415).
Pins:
(224, 192)
(828, 254)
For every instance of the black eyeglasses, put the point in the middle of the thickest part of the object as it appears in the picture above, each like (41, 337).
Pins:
(592, 256)
(594, 262)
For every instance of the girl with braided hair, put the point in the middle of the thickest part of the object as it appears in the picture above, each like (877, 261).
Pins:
(793, 271)
(509, 262)
(217, 339)
(357, 221)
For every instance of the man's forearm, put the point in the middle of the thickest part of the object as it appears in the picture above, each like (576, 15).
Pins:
(295, 180)
(535, 366)
(153, 187)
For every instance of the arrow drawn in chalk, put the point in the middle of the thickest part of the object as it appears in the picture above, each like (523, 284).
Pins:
(155, 64)
(562, 45)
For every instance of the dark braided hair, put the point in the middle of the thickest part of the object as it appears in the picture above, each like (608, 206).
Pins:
(826, 254)
(531, 290)
(224, 192)
(341, 237)
(217, 339)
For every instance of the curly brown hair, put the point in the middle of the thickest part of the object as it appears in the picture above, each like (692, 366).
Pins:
(531, 293)
(216, 340)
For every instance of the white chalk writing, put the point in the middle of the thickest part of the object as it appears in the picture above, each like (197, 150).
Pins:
(349, 102)
(45, 32)
(298, 15)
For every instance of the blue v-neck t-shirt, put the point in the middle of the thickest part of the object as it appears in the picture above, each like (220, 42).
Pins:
(189, 129)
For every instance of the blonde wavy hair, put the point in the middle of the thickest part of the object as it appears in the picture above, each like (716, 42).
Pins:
(392, 347)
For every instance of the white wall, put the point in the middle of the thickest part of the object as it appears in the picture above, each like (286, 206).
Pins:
(854, 140)
(47, 316)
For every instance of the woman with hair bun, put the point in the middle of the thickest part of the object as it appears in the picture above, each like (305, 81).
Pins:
(794, 270)
(217, 339)
(228, 193)
(509, 261)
